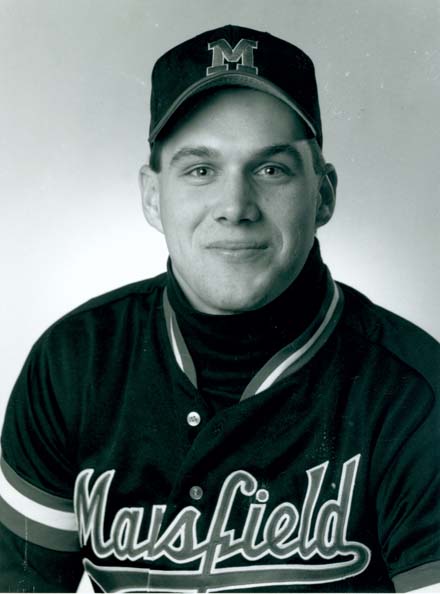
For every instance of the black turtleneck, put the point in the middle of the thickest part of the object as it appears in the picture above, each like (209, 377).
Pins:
(228, 350)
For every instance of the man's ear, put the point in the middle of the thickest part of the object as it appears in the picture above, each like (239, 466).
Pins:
(327, 195)
(149, 186)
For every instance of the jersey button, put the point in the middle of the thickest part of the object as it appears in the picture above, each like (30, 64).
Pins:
(196, 492)
(193, 418)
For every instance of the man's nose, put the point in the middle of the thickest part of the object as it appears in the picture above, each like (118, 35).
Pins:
(237, 202)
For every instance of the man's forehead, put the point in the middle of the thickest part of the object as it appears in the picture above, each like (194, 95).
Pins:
(215, 115)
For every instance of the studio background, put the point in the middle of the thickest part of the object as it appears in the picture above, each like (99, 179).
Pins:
(74, 86)
(74, 83)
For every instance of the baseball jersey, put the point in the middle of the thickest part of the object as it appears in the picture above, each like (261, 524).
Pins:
(323, 475)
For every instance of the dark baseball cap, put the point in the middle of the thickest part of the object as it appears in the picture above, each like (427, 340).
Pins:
(234, 56)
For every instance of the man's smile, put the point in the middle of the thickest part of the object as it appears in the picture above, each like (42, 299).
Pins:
(238, 250)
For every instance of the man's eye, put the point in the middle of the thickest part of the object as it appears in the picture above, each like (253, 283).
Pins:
(200, 172)
(271, 171)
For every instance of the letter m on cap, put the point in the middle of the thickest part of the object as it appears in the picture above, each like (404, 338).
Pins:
(223, 54)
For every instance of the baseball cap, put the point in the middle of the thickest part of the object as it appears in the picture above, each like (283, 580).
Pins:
(234, 56)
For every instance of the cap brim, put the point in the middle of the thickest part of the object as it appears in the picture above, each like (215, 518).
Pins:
(235, 78)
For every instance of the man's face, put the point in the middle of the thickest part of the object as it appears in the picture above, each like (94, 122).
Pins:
(238, 200)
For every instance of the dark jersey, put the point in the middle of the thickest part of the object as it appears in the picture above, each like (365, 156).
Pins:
(323, 476)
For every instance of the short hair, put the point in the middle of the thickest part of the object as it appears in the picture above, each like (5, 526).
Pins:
(155, 154)
(318, 160)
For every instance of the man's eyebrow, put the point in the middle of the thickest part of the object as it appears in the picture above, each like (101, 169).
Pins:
(266, 152)
(277, 149)
(193, 151)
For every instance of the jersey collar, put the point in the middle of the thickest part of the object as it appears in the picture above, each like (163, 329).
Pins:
(286, 361)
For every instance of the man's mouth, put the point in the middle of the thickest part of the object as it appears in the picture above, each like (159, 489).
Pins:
(236, 245)
(237, 249)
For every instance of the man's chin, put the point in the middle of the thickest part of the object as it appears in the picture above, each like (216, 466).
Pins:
(226, 292)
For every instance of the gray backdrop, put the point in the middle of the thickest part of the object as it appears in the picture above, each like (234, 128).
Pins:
(74, 82)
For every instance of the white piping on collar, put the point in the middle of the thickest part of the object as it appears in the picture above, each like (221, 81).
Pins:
(290, 360)
(293, 356)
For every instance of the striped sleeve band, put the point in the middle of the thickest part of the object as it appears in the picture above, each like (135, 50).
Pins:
(34, 515)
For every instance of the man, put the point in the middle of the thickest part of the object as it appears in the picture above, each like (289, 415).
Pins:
(242, 422)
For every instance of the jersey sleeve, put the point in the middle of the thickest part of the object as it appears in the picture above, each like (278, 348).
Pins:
(408, 498)
(39, 547)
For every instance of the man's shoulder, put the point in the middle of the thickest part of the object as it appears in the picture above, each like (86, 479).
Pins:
(103, 313)
(143, 289)
(393, 335)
